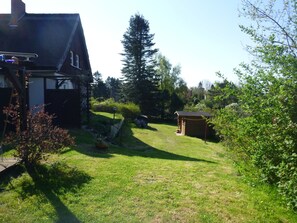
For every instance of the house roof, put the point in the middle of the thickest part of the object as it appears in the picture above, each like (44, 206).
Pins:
(48, 35)
(193, 114)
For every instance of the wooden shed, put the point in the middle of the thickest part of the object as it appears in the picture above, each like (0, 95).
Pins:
(194, 124)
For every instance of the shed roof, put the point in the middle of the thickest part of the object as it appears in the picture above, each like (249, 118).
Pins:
(193, 114)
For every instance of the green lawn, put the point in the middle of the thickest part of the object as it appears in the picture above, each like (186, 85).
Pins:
(152, 176)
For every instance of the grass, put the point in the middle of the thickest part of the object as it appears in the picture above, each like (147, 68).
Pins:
(152, 175)
(105, 117)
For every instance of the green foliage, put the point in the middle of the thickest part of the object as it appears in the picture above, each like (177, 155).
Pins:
(173, 89)
(209, 97)
(113, 86)
(99, 88)
(176, 103)
(198, 93)
(109, 105)
(93, 103)
(140, 81)
(263, 126)
(128, 110)
(110, 88)
(223, 93)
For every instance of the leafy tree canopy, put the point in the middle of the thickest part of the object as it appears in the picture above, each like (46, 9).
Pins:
(173, 88)
(99, 88)
(263, 125)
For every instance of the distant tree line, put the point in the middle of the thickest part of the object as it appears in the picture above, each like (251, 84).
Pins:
(102, 90)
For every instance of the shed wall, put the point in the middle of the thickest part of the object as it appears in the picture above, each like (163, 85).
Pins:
(197, 128)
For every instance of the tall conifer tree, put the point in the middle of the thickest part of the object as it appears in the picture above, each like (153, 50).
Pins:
(139, 75)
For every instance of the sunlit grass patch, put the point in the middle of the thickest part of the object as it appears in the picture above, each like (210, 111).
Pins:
(151, 175)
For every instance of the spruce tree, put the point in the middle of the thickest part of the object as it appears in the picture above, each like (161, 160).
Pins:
(139, 75)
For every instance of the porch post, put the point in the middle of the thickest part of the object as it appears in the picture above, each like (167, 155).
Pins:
(23, 99)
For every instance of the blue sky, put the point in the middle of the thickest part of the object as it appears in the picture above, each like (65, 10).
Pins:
(203, 37)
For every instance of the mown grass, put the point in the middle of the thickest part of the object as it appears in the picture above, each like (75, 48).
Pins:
(152, 175)
(102, 121)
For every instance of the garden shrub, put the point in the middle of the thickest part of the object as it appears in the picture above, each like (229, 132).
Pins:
(39, 138)
(108, 105)
(128, 110)
(267, 132)
(262, 128)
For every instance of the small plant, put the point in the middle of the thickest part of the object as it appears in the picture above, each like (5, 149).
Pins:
(39, 138)
(100, 143)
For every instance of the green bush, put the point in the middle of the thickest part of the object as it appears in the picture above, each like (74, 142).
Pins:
(108, 105)
(263, 129)
(93, 103)
(128, 110)
(267, 133)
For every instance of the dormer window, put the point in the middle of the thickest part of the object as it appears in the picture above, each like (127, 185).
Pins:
(77, 61)
(71, 58)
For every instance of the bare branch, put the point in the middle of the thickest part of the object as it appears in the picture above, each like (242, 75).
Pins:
(260, 13)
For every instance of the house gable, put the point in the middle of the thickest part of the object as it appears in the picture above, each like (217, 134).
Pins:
(44, 34)
(76, 49)
(51, 37)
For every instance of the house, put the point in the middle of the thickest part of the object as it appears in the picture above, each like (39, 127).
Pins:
(58, 63)
(194, 124)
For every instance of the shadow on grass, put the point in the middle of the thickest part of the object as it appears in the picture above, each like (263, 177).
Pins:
(51, 181)
(132, 146)
(128, 145)
(6, 149)
(9, 175)
(151, 128)
(151, 152)
(91, 150)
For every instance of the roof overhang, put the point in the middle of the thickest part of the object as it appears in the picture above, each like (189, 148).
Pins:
(193, 114)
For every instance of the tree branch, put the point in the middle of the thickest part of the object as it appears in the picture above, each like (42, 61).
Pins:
(290, 42)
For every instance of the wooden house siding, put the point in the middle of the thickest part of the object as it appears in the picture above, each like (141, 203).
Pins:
(78, 49)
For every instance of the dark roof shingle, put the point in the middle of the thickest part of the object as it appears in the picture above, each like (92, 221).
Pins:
(47, 35)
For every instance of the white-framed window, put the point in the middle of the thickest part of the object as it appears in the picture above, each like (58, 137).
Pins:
(77, 61)
(71, 58)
